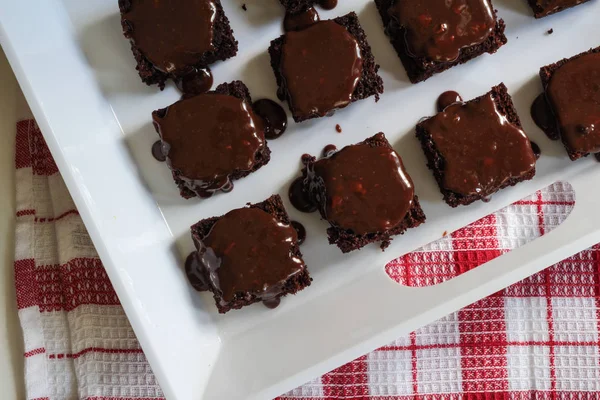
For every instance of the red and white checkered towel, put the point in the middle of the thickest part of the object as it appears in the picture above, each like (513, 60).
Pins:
(536, 339)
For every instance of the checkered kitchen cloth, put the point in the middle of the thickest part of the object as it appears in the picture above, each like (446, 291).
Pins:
(537, 339)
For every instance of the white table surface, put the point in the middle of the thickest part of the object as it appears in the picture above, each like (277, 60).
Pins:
(12, 108)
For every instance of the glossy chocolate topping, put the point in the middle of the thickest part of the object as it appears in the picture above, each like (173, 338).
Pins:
(273, 115)
(481, 149)
(366, 187)
(329, 150)
(296, 22)
(299, 196)
(438, 29)
(328, 4)
(172, 34)
(447, 98)
(574, 94)
(321, 66)
(210, 136)
(157, 151)
(536, 150)
(195, 82)
(248, 250)
(542, 115)
(193, 271)
(300, 231)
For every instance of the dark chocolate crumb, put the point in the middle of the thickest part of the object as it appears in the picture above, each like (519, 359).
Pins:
(550, 31)
(244, 7)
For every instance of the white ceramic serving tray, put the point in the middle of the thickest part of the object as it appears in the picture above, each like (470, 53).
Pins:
(79, 77)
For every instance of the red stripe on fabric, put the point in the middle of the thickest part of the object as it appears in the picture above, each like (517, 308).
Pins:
(596, 262)
(547, 202)
(348, 381)
(22, 213)
(95, 350)
(527, 343)
(35, 352)
(80, 281)
(483, 346)
(573, 277)
(126, 398)
(482, 325)
(65, 214)
(500, 395)
(22, 153)
(25, 283)
(414, 364)
(418, 269)
(41, 159)
(548, 284)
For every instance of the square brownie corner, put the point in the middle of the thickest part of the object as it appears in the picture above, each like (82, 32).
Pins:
(541, 10)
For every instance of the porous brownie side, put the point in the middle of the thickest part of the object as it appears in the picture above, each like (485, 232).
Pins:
(296, 6)
(274, 206)
(370, 84)
(225, 46)
(348, 241)
(415, 66)
(546, 73)
(540, 12)
(435, 161)
(237, 89)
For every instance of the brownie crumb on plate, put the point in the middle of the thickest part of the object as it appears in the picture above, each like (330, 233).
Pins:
(173, 38)
(248, 255)
(364, 192)
(542, 8)
(201, 164)
(331, 58)
(569, 108)
(477, 148)
(430, 36)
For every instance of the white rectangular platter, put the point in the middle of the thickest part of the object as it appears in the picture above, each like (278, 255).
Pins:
(79, 77)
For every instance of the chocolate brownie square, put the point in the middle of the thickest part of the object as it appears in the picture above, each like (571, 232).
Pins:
(431, 36)
(477, 148)
(325, 66)
(248, 255)
(211, 139)
(542, 8)
(364, 192)
(173, 38)
(572, 92)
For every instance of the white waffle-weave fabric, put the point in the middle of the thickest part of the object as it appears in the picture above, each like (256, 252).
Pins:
(537, 339)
